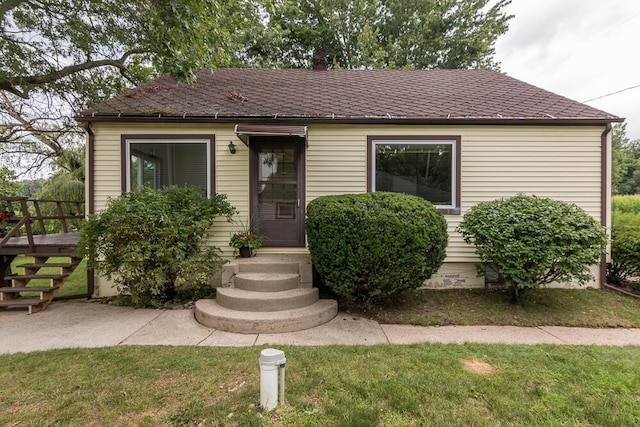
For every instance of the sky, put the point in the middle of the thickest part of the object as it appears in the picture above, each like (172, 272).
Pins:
(580, 49)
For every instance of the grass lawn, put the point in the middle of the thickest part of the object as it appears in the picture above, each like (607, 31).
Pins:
(596, 308)
(427, 384)
(76, 283)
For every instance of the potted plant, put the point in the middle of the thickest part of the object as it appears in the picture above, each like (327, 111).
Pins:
(245, 242)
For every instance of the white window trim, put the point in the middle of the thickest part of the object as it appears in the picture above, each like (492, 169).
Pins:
(454, 154)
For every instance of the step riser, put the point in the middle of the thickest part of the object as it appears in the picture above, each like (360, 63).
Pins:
(206, 315)
(246, 303)
(279, 268)
(265, 285)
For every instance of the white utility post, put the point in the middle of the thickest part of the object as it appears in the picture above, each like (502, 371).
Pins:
(270, 361)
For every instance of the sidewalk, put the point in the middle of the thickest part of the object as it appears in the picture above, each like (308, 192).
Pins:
(97, 325)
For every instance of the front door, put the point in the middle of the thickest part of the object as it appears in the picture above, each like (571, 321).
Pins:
(277, 189)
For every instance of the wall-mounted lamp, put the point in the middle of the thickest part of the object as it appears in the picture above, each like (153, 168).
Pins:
(232, 148)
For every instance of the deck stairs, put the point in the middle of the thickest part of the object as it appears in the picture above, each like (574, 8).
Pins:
(25, 229)
(38, 283)
(266, 294)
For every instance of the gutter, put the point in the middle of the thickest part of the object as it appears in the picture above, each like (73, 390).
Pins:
(304, 120)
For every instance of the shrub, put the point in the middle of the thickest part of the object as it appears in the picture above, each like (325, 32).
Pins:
(150, 242)
(534, 240)
(629, 204)
(368, 247)
(625, 255)
(625, 245)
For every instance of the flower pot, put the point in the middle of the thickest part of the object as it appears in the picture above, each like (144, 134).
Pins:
(245, 252)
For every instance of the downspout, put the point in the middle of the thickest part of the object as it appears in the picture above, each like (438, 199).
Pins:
(90, 203)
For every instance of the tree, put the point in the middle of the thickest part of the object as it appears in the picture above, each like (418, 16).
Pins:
(8, 185)
(626, 162)
(533, 241)
(385, 33)
(58, 56)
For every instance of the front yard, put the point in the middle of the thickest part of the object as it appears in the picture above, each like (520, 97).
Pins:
(387, 385)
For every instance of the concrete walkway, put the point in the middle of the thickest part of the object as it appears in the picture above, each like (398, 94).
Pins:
(97, 325)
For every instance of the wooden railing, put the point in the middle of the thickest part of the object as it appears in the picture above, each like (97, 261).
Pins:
(38, 217)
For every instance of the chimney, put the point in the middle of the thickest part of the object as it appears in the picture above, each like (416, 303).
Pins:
(320, 59)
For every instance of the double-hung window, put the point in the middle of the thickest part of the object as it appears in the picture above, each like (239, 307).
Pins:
(156, 161)
(427, 167)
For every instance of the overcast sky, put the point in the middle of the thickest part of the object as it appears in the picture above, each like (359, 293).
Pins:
(581, 49)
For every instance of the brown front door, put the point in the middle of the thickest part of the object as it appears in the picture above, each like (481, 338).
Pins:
(277, 189)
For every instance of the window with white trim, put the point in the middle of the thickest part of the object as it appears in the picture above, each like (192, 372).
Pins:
(420, 167)
(156, 163)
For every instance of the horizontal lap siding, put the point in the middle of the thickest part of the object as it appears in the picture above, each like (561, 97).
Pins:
(231, 171)
(497, 161)
(559, 162)
(336, 161)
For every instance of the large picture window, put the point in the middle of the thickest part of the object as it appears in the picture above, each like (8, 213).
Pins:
(158, 161)
(421, 166)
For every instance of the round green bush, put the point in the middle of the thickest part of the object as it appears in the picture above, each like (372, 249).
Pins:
(368, 247)
(534, 240)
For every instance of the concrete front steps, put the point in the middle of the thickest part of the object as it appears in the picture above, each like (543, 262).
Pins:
(266, 294)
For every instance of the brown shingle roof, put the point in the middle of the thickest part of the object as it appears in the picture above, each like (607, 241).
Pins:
(358, 95)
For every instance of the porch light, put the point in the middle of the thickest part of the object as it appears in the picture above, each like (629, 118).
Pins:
(232, 148)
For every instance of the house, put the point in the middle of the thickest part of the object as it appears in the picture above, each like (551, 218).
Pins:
(274, 139)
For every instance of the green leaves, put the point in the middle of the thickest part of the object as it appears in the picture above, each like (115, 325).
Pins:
(149, 241)
(534, 241)
(626, 162)
(368, 247)
(388, 33)
(58, 57)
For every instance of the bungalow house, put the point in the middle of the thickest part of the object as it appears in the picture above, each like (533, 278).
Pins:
(274, 139)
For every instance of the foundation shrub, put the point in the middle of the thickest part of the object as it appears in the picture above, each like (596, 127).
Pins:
(534, 241)
(150, 243)
(368, 247)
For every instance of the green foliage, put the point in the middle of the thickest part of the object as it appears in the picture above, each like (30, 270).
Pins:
(534, 241)
(368, 247)
(150, 243)
(57, 57)
(626, 162)
(625, 234)
(625, 254)
(384, 33)
(629, 204)
(8, 185)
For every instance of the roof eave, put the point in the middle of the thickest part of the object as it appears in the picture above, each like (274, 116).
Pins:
(351, 119)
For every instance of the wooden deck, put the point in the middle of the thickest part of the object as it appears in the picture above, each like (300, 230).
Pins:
(47, 243)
